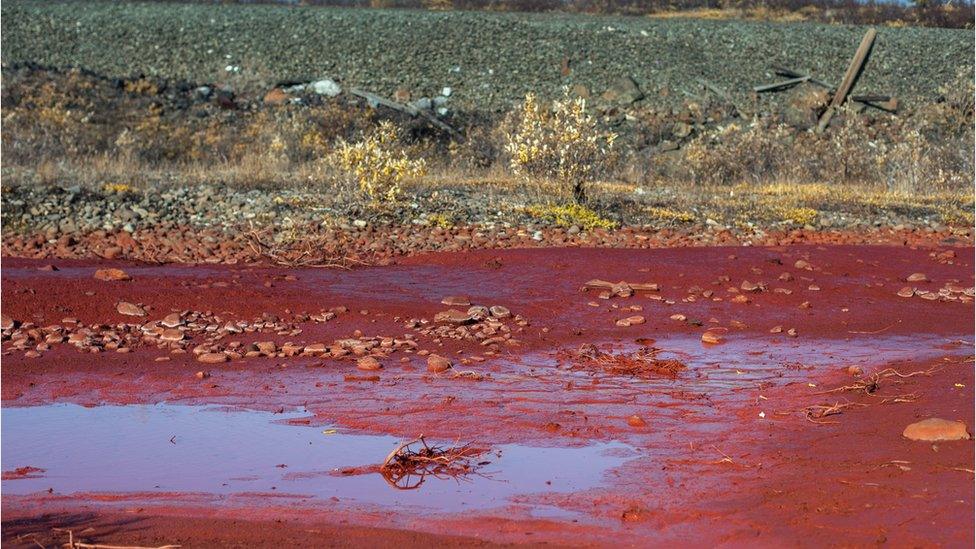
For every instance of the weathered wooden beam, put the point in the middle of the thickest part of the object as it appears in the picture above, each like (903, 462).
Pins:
(850, 77)
(789, 73)
(408, 109)
(781, 85)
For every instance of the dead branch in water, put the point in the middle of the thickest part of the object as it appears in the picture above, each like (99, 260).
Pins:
(404, 463)
(871, 384)
(819, 411)
(642, 363)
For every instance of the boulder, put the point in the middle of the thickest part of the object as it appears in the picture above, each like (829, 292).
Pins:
(623, 91)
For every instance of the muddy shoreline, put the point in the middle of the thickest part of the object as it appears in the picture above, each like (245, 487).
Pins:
(732, 449)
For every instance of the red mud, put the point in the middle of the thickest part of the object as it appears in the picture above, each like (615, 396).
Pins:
(726, 453)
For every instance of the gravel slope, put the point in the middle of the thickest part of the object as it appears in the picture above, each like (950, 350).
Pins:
(489, 60)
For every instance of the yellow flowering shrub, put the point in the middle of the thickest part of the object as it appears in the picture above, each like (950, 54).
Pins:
(573, 214)
(376, 163)
(560, 141)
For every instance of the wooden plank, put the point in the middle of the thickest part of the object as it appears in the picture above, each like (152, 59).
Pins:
(408, 109)
(780, 85)
(789, 73)
(850, 77)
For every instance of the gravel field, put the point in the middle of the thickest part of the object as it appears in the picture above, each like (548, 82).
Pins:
(488, 60)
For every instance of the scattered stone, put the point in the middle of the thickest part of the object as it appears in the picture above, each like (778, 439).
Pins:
(129, 309)
(201, 374)
(213, 358)
(499, 311)
(111, 275)
(171, 334)
(172, 320)
(636, 421)
(917, 277)
(679, 317)
(453, 316)
(456, 301)
(437, 364)
(7, 323)
(326, 87)
(712, 338)
(907, 291)
(631, 321)
(368, 364)
(623, 91)
(936, 429)
(276, 96)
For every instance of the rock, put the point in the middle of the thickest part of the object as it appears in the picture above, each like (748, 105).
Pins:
(327, 87)
(456, 301)
(276, 96)
(804, 105)
(630, 321)
(48, 268)
(111, 275)
(478, 312)
(917, 277)
(907, 291)
(453, 316)
(202, 375)
(368, 364)
(401, 95)
(266, 347)
(581, 91)
(437, 364)
(623, 91)
(499, 311)
(636, 421)
(213, 358)
(172, 320)
(936, 429)
(7, 323)
(712, 338)
(171, 334)
(129, 309)
(679, 317)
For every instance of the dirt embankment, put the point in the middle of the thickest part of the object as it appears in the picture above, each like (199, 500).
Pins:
(488, 60)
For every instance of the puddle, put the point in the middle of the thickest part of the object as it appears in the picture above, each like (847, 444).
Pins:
(207, 449)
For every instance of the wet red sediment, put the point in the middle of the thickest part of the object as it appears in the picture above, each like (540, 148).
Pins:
(712, 470)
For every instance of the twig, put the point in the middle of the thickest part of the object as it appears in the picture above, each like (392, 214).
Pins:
(886, 328)
(72, 544)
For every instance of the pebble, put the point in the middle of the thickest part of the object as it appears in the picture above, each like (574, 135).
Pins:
(212, 358)
(129, 309)
(636, 421)
(171, 334)
(437, 364)
(202, 375)
(498, 311)
(936, 429)
(712, 338)
(109, 275)
(368, 364)
(917, 277)
(907, 291)
(7, 323)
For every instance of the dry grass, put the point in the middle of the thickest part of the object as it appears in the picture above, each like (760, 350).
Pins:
(76, 128)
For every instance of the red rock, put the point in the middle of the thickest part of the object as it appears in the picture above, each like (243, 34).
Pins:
(111, 275)
(213, 358)
(172, 320)
(171, 334)
(907, 291)
(276, 96)
(453, 316)
(129, 309)
(936, 429)
(7, 323)
(636, 421)
(368, 364)
(456, 300)
(437, 364)
(499, 311)
(917, 277)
